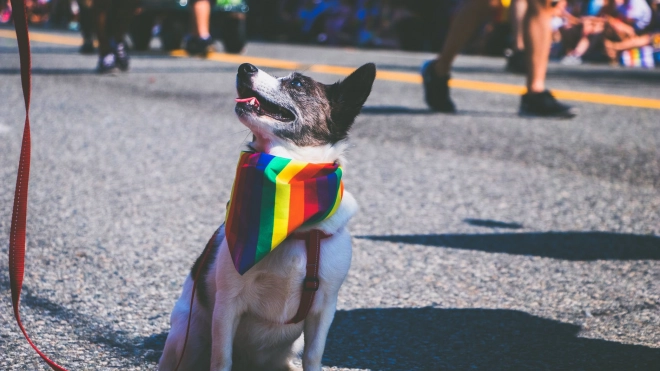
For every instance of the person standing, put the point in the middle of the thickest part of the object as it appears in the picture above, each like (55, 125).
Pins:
(536, 33)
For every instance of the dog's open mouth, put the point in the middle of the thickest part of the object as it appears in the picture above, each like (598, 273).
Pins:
(262, 106)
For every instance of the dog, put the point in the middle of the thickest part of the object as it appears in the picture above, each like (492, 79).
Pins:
(238, 322)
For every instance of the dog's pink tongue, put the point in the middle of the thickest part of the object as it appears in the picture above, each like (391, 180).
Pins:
(251, 101)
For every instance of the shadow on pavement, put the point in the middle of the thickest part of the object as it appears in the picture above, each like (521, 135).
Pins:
(492, 223)
(406, 339)
(92, 329)
(462, 339)
(558, 245)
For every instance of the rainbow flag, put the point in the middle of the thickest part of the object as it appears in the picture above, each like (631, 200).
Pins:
(273, 196)
(638, 57)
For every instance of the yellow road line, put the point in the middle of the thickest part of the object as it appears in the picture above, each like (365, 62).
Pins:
(46, 38)
(406, 77)
(415, 78)
(238, 59)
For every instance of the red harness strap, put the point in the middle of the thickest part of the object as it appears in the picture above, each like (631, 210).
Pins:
(19, 213)
(311, 283)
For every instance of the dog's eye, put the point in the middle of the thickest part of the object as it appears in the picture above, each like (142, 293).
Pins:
(297, 83)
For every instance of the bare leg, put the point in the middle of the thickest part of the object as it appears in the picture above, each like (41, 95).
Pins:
(612, 48)
(581, 47)
(201, 18)
(518, 9)
(634, 42)
(538, 37)
(435, 73)
(465, 23)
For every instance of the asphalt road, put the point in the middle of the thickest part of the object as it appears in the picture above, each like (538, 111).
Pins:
(484, 241)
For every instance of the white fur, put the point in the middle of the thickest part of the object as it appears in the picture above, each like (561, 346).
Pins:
(242, 327)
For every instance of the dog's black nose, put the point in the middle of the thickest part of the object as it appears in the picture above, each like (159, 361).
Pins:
(247, 69)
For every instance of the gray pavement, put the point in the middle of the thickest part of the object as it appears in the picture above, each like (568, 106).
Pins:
(484, 241)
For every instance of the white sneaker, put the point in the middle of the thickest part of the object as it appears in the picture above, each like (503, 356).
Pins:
(571, 60)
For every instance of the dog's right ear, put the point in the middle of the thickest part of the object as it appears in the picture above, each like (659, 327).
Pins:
(347, 98)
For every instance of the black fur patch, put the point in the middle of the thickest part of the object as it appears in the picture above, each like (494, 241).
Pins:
(347, 98)
(325, 113)
(312, 109)
(200, 270)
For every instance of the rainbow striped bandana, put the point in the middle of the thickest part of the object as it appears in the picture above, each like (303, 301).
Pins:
(272, 197)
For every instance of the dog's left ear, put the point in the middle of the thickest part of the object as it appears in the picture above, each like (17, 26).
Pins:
(347, 98)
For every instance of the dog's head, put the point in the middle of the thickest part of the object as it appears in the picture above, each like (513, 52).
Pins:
(297, 117)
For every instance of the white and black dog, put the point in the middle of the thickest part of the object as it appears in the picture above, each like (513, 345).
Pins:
(238, 321)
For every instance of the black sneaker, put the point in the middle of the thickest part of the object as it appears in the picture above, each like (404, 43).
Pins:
(545, 105)
(121, 56)
(107, 64)
(199, 46)
(436, 90)
(515, 61)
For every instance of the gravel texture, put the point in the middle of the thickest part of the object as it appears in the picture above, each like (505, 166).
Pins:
(484, 241)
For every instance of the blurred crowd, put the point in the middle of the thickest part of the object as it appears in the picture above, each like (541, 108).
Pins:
(623, 32)
(618, 31)
(401, 24)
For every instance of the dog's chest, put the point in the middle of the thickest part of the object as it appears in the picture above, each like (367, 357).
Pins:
(274, 287)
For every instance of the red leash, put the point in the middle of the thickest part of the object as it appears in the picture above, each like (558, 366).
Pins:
(19, 214)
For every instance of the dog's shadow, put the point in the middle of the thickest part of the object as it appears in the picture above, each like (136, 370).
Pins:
(463, 339)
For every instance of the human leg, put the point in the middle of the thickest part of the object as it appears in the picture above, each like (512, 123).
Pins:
(200, 41)
(86, 17)
(518, 10)
(591, 31)
(538, 38)
(122, 13)
(101, 10)
(630, 43)
(201, 18)
(466, 21)
(612, 48)
(435, 73)
(516, 60)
